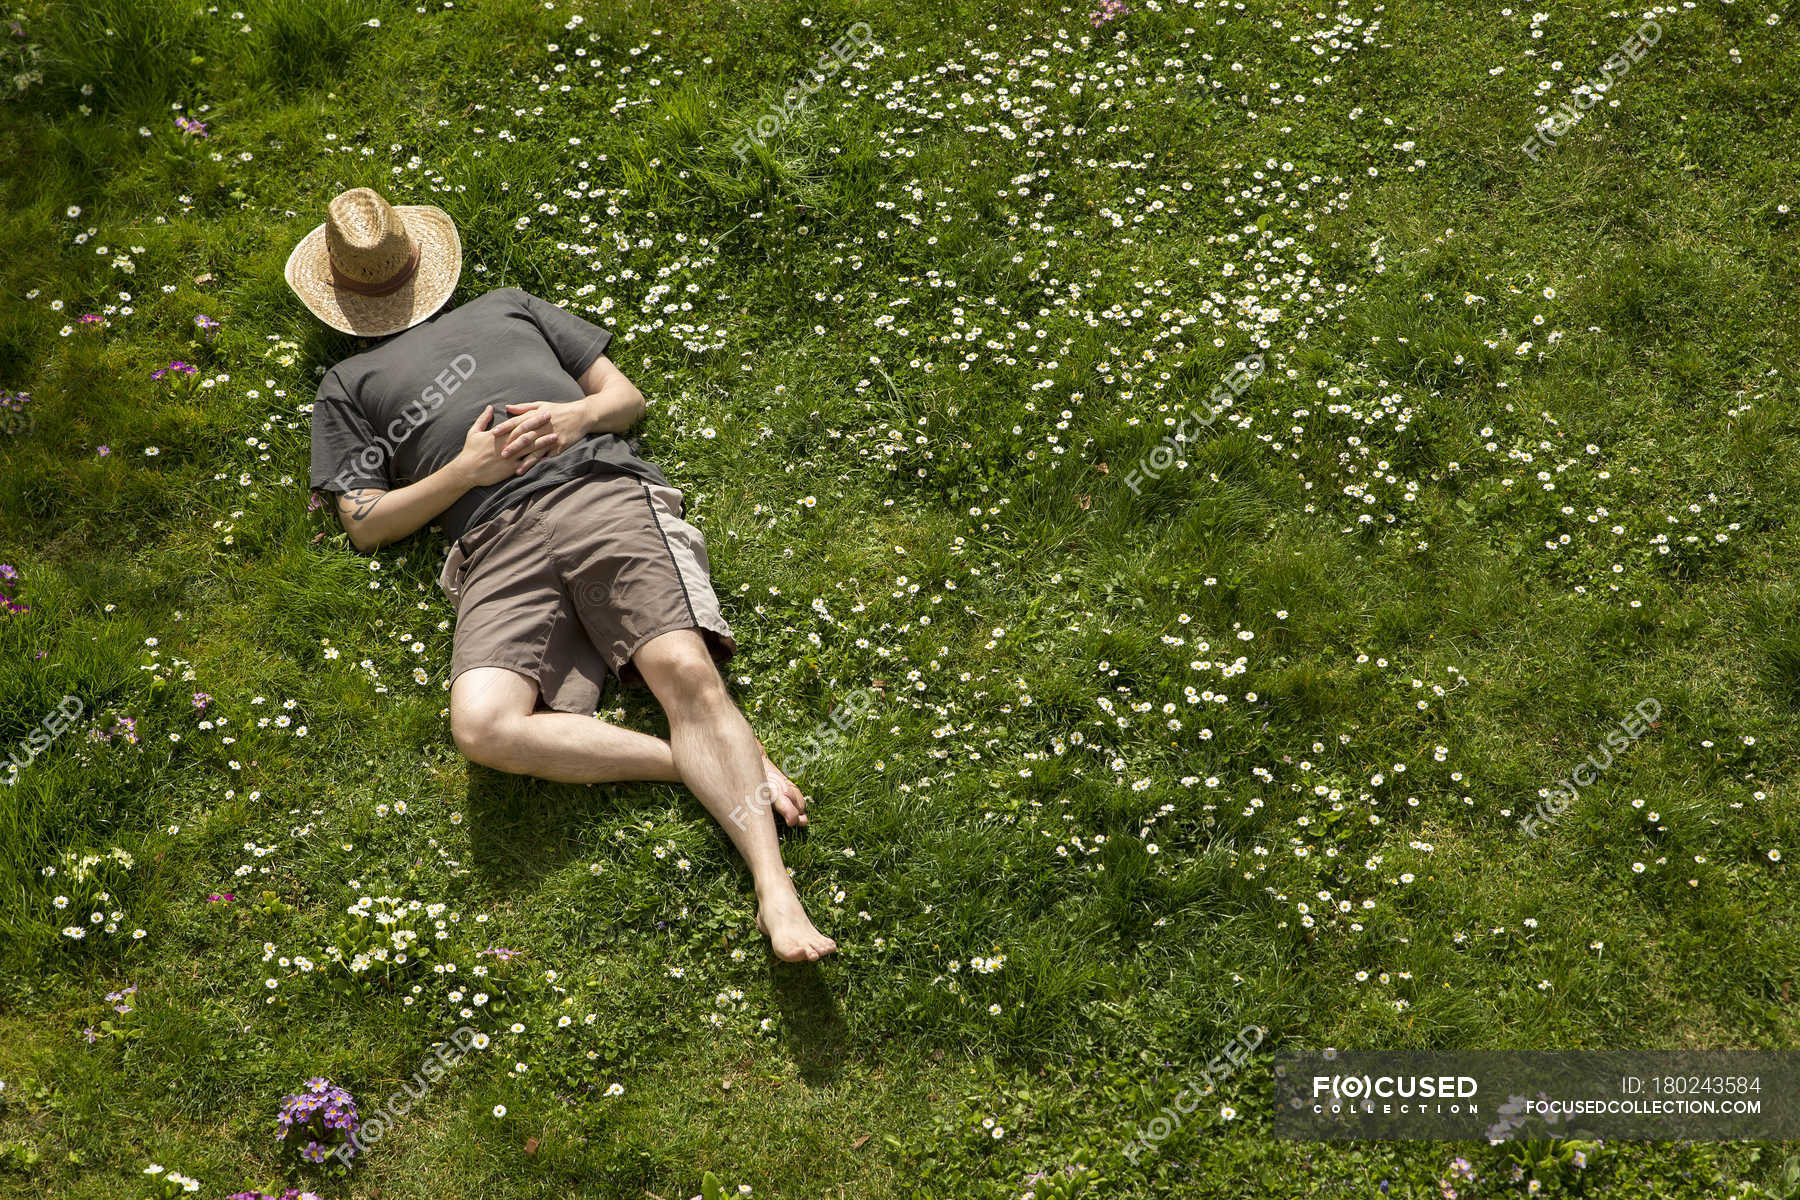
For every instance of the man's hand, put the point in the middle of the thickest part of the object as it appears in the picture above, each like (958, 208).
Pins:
(481, 462)
(536, 430)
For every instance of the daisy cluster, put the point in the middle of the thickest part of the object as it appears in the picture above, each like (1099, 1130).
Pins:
(212, 725)
(82, 887)
(408, 644)
(1576, 82)
(1601, 527)
(169, 1184)
(1018, 105)
(534, 1023)
(382, 941)
(124, 261)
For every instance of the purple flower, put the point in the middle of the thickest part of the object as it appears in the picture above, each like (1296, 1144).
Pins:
(1109, 10)
(9, 581)
(323, 1111)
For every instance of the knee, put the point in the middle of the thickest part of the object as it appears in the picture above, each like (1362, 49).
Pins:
(689, 680)
(480, 732)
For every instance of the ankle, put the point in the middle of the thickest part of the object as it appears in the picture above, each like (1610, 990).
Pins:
(776, 891)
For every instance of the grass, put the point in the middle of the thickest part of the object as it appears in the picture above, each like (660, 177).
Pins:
(1522, 457)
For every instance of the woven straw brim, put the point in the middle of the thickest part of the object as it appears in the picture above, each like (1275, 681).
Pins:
(440, 263)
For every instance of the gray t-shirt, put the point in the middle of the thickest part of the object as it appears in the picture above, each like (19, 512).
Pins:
(394, 414)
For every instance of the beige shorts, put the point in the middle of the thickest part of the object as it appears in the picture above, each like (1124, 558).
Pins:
(567, 586)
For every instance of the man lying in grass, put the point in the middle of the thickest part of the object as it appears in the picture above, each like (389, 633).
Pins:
(500, 420)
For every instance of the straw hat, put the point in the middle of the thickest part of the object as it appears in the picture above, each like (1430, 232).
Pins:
(374, 268)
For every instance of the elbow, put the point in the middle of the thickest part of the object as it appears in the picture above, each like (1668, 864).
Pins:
(622, 407)
(365, 540)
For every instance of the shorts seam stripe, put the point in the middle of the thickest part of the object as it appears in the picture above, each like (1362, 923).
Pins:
(680, 580)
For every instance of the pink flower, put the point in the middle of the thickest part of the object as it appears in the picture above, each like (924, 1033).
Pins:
(1109, 10)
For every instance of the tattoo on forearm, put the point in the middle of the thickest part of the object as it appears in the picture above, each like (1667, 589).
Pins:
(365, 503)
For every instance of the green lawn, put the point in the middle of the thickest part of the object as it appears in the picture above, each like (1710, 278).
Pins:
(1173, 735)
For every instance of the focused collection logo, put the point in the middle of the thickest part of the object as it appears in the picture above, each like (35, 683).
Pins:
(1379, 1093)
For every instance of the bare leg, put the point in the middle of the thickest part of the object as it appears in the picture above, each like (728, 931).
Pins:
(492, 720)
(721, 761)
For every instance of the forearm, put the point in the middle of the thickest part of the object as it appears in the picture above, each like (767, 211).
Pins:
(385, 517)
(615, 408)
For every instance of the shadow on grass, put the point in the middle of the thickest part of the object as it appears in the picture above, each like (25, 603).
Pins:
(524, 829)
(817, 1034)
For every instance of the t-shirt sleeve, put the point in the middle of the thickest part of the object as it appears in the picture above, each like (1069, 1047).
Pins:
(577, 343)
(346, 454)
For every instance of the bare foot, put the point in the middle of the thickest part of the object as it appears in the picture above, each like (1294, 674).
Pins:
(784, 796)
(791, 933)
